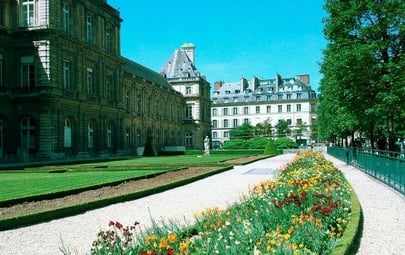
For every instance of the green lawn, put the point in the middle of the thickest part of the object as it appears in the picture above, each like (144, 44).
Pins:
(20, 184)
(52, 179)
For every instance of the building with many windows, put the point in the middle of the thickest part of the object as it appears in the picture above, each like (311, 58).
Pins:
(66, 91)
(182, 74)
(261, 101)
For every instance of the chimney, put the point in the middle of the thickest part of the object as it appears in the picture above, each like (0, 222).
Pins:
(189, 49)
(304, 78)
(218, 85)
(278, 82)
(244, 84)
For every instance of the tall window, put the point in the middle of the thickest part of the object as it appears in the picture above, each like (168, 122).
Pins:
(66, 75)
(89, 29)
(1, 70)
(280, 108)
(28, 13)
(225, 111)
(89, 81)
(226, 123)
(215, 134)
(214, 112)
(246, 121)
(215, 123)
(27, 133)
(27, 72)
(108, 39)
(245, 110)
(257, 109)
(188, 90)
(67, 137)
(139, 102)
(109, 87)
(235, 123)
(90, 135)
(235, 110)
(1, 15)
(288, 108)
(66, 18)
(109, 136)
(189, 112)
(188, 139)
(298, 107)
(128, 101)
(268, 108)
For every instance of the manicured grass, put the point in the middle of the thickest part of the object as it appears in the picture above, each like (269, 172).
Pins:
(186, 160)
(37, 181)
(14, 185)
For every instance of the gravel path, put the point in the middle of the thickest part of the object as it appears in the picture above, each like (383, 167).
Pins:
(383, 209)
(180, 204)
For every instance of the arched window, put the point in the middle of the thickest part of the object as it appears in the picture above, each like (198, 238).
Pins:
(27, 133)
(109, 136)
(67, 134)
(90, 134)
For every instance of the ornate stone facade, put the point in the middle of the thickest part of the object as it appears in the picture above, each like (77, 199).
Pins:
(182, 74)
(66, 92)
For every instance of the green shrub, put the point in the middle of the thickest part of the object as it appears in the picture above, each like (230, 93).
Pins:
(258, 142)
(285, 143)
(235, 144)
(271, 148)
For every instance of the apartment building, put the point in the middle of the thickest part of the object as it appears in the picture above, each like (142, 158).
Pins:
(259, 101)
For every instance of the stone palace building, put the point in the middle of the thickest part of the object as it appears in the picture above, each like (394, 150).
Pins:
(66, 92)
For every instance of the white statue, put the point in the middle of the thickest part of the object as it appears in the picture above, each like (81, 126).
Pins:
(206, 146)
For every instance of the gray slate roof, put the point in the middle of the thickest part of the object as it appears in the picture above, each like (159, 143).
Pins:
(179, 65)
(146, 73)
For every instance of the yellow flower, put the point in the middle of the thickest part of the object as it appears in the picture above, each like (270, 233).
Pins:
(172, 237)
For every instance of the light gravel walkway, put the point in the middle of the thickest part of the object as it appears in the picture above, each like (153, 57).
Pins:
(383, 211)
(78, 232)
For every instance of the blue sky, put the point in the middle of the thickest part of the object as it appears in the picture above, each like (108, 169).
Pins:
(233, 39)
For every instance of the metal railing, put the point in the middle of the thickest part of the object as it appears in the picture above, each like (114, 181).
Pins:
(386, 166)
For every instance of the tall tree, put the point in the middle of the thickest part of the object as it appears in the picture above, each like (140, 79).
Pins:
(362, 89)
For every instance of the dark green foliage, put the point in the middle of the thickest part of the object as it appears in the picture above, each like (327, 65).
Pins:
(258, 142)
(236, 143)
(362, 89)
(271, 148)
(244, 131)
(282, 128)
(253, 143)
(285, 143)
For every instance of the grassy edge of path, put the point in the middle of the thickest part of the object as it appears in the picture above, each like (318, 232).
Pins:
(350, 241)
(52, 214)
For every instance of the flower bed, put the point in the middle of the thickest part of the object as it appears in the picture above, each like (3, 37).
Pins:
(303, 211)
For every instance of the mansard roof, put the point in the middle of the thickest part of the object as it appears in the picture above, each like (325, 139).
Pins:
(143, 72)
(254, 86)
(179, 65)
(264, 89)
